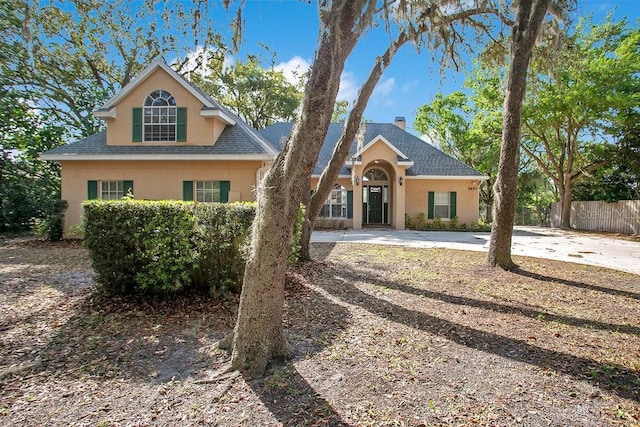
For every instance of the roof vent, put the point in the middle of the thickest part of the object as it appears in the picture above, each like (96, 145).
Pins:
(401, 122)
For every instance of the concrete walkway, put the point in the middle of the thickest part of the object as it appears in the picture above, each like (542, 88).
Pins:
(539, 242)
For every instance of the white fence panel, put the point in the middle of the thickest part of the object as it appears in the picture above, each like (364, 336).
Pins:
(618, 217)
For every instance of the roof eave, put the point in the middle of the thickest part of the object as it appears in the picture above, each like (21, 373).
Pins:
(219, 114)
(105, 113)
(163, 157)
(450, 177)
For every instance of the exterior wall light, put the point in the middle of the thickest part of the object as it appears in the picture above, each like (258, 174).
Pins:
(357, 180)
(401, 180)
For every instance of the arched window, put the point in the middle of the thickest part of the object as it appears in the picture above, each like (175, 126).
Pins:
(160, 116)
(376, 175)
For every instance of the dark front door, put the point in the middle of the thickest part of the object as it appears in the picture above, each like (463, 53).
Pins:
(375, 204)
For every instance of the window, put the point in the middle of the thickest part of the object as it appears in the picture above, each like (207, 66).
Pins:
(441, 204)
(375, 175)
(109, 190)
(336, 204)
(206, 191)
(160, 116)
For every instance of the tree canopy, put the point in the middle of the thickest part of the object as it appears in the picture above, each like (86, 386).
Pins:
(579, 102)
(261, 96)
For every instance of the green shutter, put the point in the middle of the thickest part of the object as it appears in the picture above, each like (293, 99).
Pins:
(349, 204)
(187, 190)
(225, 186)
(126, 186)
(452, 205)
(92, 190)
(430, 202)
(136, 134)
(181, 124)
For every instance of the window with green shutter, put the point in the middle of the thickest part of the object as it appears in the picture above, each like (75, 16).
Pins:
(206, 191)
(441, 204)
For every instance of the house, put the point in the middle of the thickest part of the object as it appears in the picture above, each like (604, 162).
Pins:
(166, 139)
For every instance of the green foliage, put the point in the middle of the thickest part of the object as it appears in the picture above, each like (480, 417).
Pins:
(421, 221)
(163, 247)
(579, 99)
(453, 223)
(437, 223)
(53, 225)
(27, 184)
(222, 243)
(261, 96)
(70, 56)
(408, 222)
(140, 246)
(619, 179)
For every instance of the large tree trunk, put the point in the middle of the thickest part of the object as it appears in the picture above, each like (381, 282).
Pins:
(529, 16)
(565, 215)
(341, 151)
(259, 334)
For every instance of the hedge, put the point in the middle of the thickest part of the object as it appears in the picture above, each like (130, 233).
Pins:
(163, 247)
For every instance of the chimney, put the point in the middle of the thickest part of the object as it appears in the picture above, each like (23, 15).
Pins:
(401, 122)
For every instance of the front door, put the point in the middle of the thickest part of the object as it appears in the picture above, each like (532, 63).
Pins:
(375, 204)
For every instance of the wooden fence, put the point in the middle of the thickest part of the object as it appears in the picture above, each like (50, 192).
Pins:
(618, 217)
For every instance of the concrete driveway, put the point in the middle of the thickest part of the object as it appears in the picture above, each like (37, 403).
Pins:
(539, 242)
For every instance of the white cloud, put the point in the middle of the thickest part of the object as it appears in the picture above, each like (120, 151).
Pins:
(348, 90)
(385, 87)
(410, 86)
(294, 69)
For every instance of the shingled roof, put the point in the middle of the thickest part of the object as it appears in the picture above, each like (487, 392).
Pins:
(428, 161)
(235, 142)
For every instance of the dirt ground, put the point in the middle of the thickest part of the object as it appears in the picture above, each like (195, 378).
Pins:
(383, 336)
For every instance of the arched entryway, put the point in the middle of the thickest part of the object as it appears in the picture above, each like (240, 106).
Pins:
(376, 196)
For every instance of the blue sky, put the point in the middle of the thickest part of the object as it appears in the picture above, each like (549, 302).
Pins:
(289, 28)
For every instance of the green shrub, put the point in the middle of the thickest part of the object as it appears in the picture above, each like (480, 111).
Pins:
(421, 221)
(55, 219)
(222, 241)
(437, 223)
(453, 223)
(408, 223)
(162, 247)
(140, 246)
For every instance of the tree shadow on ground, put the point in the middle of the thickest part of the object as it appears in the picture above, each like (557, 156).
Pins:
(312, 322)
(581, 285)
(532, 313)
(619, 379)
(291, 399)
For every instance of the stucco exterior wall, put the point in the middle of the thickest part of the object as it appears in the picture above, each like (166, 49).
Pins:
(200, 130)
(467, 196)
(154, 180)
